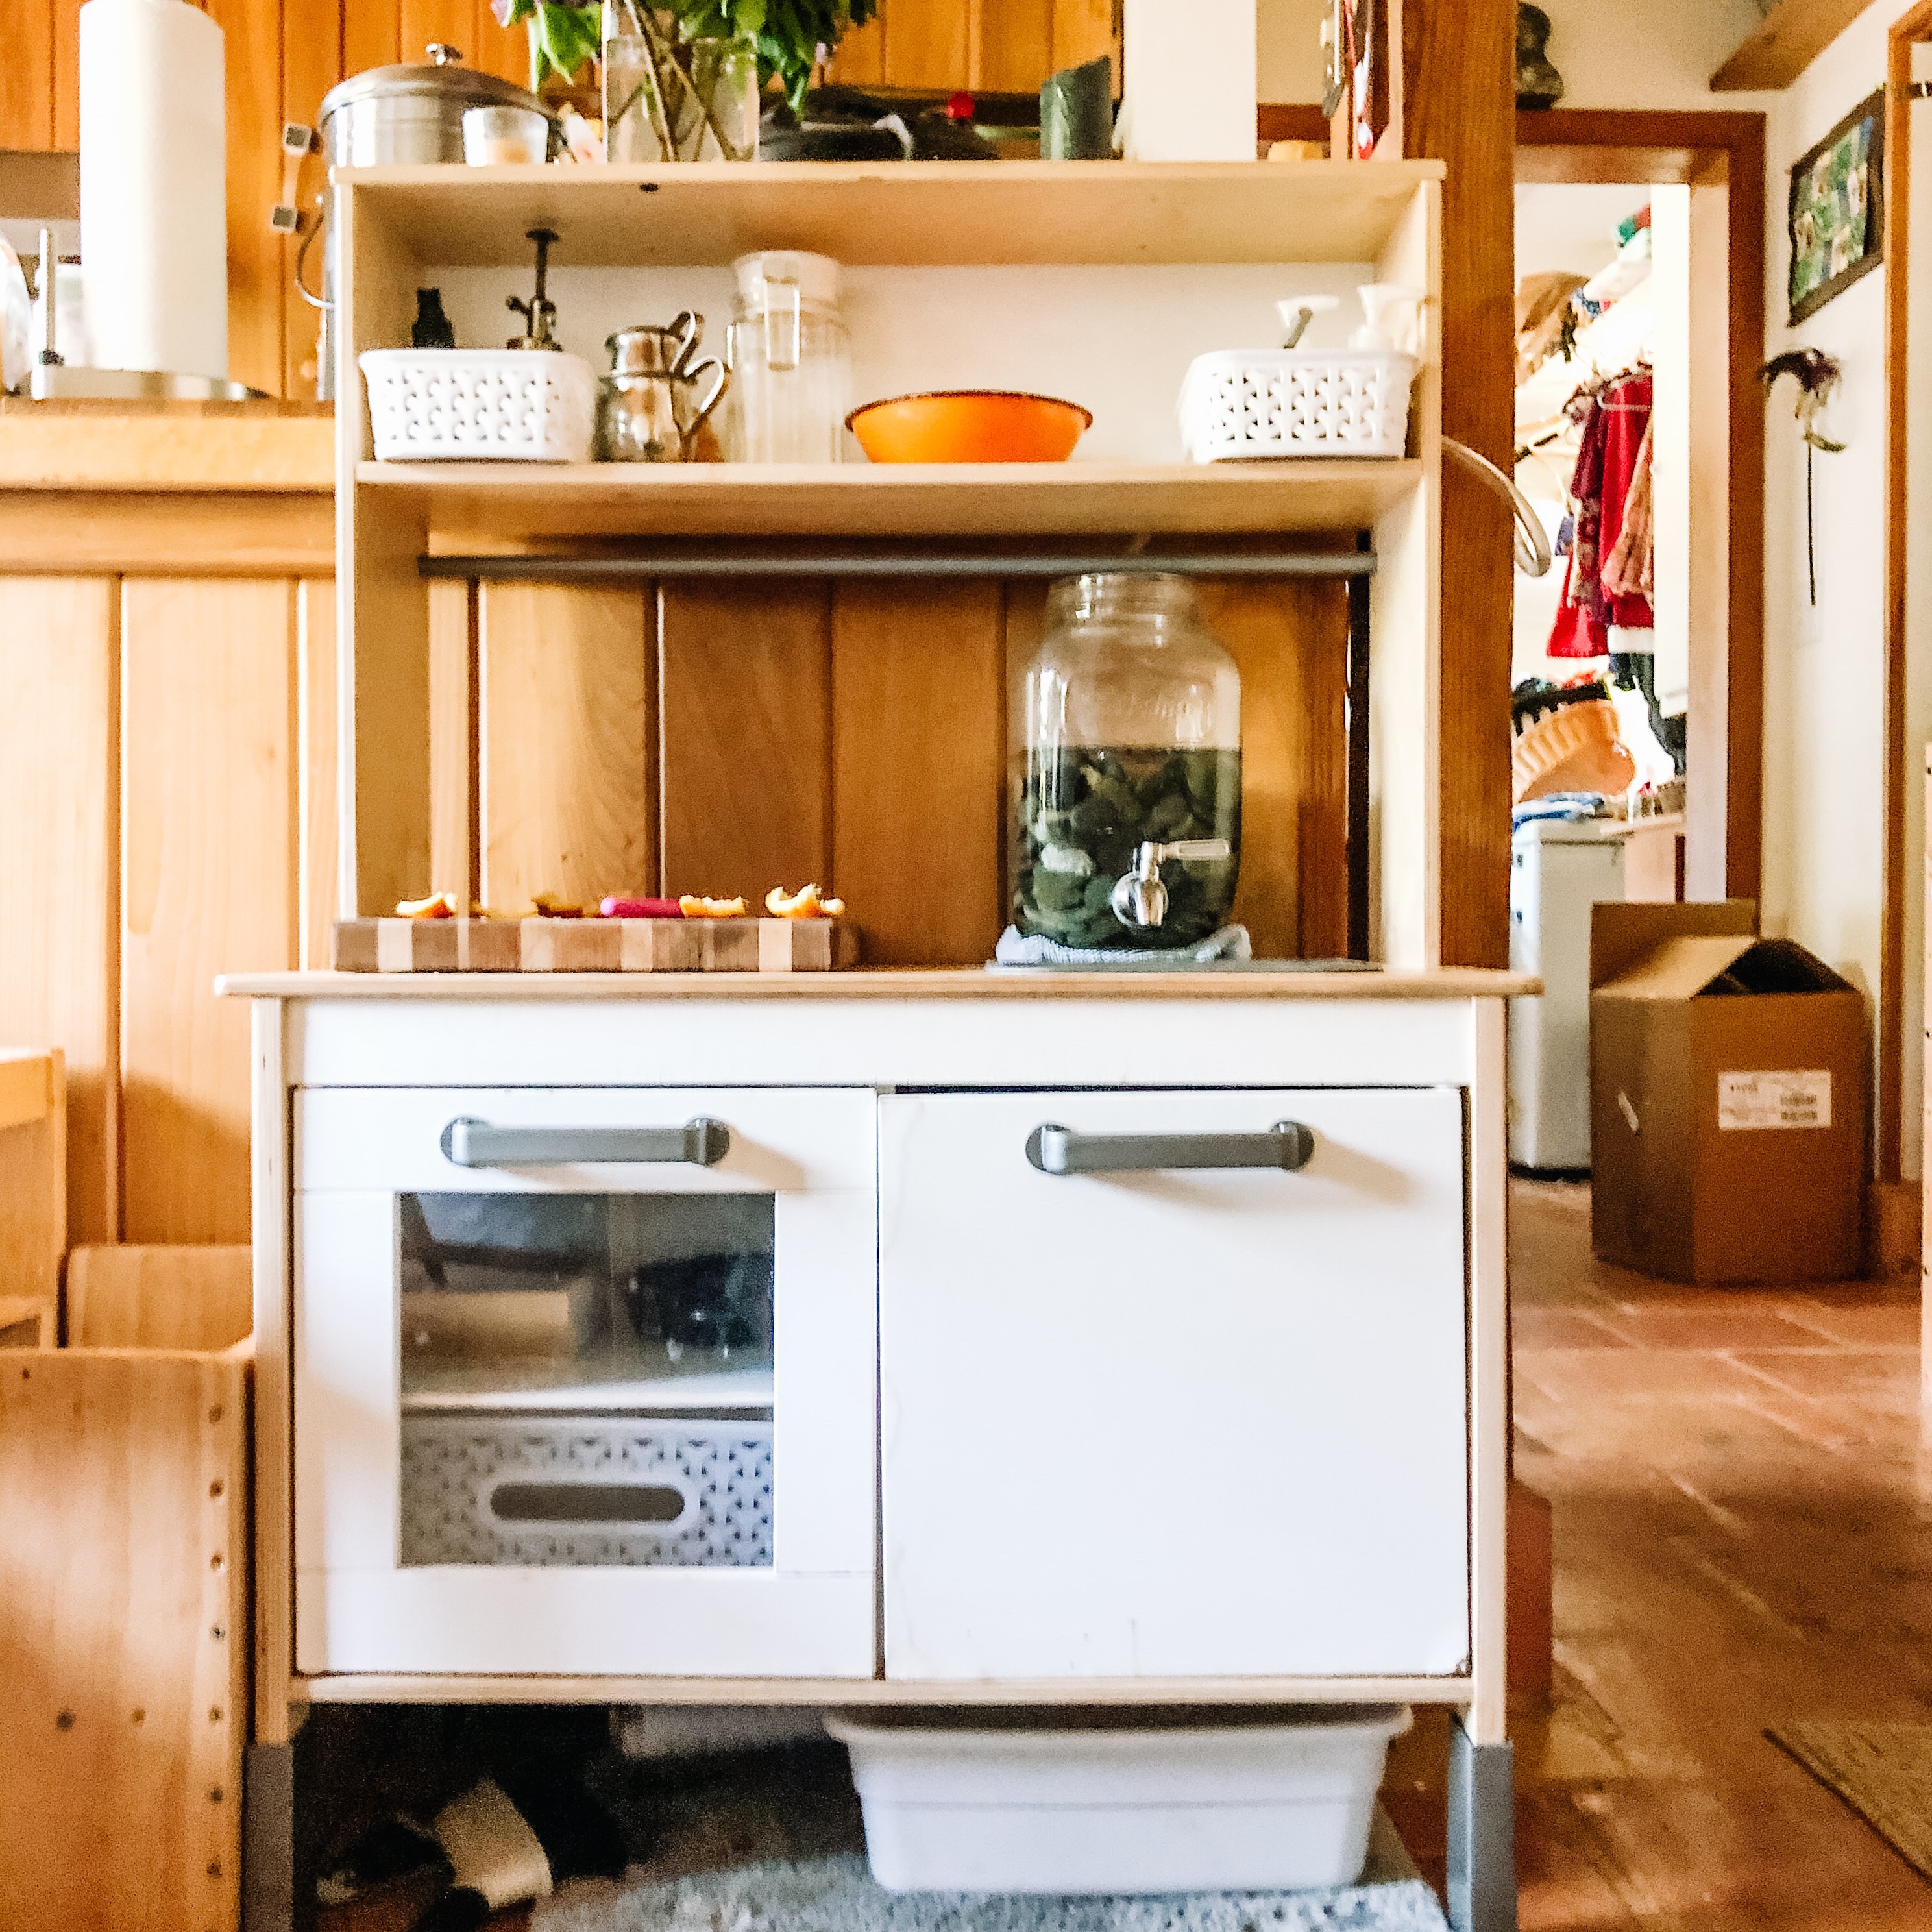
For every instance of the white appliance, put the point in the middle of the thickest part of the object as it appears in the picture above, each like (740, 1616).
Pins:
(1559, 869)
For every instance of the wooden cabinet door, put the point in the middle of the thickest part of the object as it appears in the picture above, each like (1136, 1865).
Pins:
(1180, 1423)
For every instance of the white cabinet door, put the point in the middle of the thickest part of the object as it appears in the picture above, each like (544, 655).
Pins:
(525, 1441)
(1183, 1422)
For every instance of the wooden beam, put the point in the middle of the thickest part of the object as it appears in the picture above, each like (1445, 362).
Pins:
(1459, 89)
(1785, 43)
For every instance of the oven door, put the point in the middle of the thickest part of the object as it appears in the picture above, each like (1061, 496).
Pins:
(1173, 1383)
(584, 1381)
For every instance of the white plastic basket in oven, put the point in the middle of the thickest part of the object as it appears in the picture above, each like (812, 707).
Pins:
(514, 405)
(1237, 403)
(585, 1492)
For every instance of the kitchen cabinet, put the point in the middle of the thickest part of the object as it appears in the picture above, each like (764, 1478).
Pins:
(1183, 1430)
(1173, 1420)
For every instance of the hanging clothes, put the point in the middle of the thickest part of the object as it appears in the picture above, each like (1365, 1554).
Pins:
(1630, 569)
(1615, 433)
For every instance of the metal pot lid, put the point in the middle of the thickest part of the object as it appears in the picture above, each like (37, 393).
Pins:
(442, 78)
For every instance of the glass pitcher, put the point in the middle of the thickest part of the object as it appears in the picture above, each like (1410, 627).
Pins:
(1124, 804)
(790, 361)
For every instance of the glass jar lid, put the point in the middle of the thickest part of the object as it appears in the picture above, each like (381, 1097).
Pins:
(765, 279)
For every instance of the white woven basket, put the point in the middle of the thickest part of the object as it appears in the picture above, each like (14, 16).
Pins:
(513, 405)
(1251, 402)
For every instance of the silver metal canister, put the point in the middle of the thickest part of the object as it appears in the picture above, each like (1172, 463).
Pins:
(409, 113)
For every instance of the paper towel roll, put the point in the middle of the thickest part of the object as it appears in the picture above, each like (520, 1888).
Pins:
(154, 201)
(1188, 81)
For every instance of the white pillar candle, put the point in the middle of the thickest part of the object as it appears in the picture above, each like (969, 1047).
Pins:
(153, 203)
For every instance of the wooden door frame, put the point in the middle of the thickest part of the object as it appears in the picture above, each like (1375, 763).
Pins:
(1703, 150)
(1908, 30)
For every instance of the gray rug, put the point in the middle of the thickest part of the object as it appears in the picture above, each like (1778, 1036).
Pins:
(837, 1894)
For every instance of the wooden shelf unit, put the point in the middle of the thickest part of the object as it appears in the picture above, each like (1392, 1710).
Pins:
(398, 226)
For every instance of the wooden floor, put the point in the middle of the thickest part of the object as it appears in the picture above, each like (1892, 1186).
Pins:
(1743, 1518)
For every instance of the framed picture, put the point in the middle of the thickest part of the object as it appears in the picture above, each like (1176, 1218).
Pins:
(1836, 221)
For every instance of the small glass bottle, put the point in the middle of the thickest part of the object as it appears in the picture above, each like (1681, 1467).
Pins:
(1127, 741)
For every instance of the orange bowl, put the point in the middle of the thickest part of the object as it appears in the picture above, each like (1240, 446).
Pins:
(969, 426)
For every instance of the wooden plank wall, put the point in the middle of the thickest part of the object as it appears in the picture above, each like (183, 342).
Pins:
(284, 55)
(724, 739)
(152, 784)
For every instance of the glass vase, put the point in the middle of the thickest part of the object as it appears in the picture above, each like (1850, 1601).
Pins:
(667, 98)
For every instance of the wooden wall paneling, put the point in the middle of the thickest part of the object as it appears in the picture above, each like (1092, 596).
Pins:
(919, 759)
(27, 76)
(932, 45)
(123, 1486)
(311, 65)
(567, 793)
(252, 32)
(1459, 100)
(452, 21)
(499, 50)
(67, 73)
(453, 866)
(859, 59)
(60, 861)
(1084, 30)
(372, 34)
(744, 684)
(210, 871)
(1015, 50)
(317, 776)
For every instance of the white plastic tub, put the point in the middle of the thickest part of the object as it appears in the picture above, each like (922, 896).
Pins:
(1138, 1802)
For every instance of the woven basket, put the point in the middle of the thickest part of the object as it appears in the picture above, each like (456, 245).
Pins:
(1575, 749)
(515, 405)
(1250, 403)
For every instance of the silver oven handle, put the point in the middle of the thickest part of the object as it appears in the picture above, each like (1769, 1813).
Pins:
(469, 1143)
(1056, 1149)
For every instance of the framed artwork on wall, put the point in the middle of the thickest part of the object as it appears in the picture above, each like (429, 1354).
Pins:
(1835, 222)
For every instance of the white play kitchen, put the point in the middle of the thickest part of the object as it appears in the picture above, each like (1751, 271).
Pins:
(1060, 1339)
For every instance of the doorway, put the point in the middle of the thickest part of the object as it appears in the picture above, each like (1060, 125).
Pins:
(1706, 172)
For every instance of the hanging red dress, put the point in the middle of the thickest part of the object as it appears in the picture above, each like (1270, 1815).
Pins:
(1613, 434)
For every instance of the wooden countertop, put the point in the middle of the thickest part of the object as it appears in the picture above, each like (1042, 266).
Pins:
(973, 983)
(167, 448)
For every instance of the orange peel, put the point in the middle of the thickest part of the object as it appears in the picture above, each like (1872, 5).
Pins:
(807, 903)
(693, 907)
(438, 905)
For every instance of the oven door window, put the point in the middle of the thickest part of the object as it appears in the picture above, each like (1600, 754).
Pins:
(586, 1379)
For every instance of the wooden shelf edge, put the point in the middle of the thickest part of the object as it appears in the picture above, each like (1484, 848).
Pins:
(1302, 495)
(400, 1689)
(1784, 43)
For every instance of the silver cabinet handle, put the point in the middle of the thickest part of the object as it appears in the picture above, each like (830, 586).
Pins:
(469, 1143)
(1056, 1149)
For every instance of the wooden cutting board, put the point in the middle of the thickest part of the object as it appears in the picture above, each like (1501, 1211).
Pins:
(595, 945)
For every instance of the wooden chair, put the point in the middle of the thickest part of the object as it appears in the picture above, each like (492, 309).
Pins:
(124, 1599)
(33, 1194)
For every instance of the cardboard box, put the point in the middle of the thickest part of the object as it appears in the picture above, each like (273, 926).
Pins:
(1729, 1085)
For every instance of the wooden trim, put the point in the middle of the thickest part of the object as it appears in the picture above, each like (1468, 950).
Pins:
(1059, 1691)
(1784, 43)
(1593, 144)
(1909, 29)
(938, 983)
(273, 1554)
(197, 533)
(1489, 1425)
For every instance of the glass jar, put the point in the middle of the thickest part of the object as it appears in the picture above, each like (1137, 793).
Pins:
(1126, 744)
(671, 97)
(790, 361)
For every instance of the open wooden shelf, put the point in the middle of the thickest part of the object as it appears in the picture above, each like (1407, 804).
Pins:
(511, 501)
(1784, 43)
(910, 213)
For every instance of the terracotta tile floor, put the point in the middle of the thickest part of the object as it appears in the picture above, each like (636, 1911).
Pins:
(1743, 1527)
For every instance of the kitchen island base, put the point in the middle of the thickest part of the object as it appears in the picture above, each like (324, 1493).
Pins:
(1198, 1426)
